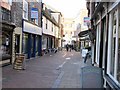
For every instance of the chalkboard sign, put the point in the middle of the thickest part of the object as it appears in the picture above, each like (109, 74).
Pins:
(19, 61)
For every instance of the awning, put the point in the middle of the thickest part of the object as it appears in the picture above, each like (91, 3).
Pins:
(84, 33)
(85, 39)
(7, 26)
(91, 33)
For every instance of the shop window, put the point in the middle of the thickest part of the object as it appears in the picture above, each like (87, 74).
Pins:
(114, 48)
(44, 42)
(25, 9)
(118, 70)
(34, 20)
(5, 43)
(104, 42)
(112, 68)
(37, 43)
(118, 66)
(98, 44)
(32, 43)
(25, 43)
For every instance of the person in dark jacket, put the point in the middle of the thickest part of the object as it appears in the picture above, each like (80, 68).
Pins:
(88, 55)
(67, 47)
(70, 47)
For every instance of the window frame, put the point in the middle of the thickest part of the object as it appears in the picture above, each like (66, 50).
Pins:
(98, 44)
(110, 36)
(25, 9)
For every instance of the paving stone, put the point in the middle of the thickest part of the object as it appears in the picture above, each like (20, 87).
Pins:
(41, 72)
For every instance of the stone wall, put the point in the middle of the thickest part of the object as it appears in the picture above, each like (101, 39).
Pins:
(16, 13)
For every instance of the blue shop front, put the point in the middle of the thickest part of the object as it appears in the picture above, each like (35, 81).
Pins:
(32, 40)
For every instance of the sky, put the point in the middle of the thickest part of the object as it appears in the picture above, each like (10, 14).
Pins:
(69, 8)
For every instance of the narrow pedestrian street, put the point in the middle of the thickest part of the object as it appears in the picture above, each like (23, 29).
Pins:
(58, 44)
(54, 70)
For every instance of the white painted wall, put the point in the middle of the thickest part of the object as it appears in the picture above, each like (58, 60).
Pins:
(56, 16)
(49, 27)
(56, 31)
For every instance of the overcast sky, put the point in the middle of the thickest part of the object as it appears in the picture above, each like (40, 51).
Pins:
(69, 8)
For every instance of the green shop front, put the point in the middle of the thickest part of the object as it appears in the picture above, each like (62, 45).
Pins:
(32, 40)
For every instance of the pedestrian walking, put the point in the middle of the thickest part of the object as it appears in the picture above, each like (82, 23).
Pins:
(88, 55)
(67, 47)
(70, 47)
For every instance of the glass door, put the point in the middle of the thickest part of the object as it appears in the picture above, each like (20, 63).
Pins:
(37, 44)
(33, 46)
(17, 43)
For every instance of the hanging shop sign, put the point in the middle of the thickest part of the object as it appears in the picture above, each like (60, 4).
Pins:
(34, 13)
(86, 21)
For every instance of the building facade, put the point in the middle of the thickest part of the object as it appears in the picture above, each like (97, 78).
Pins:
(16, 13)
(105, 22)
(79, 27)
(50, 30)
(35, 28)
(58, 17)
(7, 27)
(68, 31)
(27, 34)
(32, 29)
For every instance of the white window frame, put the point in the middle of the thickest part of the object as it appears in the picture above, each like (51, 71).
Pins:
(98, 43)
(116, 47)
(25, 9)
(10, 2)
(104, 43)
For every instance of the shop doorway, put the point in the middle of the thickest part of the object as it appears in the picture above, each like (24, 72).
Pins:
(6, 48)
(17, 43)
(33, 46)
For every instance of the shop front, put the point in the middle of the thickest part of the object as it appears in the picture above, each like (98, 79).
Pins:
(6, 47)
(113, 57)
(32, 40)
(47, 42)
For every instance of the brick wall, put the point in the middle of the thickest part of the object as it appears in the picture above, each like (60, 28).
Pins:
(35, 5)
(16, 13)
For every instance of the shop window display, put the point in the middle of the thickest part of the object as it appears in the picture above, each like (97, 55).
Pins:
(118, 66)
(5, 43)
(118, 71)
(37, 42)
(25, 43)
(113, 45)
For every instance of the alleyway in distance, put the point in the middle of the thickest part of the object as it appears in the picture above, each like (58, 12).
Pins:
(55, 70)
